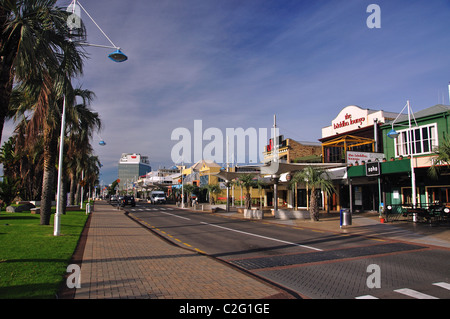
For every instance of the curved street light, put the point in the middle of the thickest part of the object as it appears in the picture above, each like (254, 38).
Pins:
(393, 134)
(117, 56)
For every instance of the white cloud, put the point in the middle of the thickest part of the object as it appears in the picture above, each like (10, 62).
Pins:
(236, 63)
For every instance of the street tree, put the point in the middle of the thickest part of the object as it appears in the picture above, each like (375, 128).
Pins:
(315, 180)
(33, 36)
(247, 181)
(442, 158)
(213, 190)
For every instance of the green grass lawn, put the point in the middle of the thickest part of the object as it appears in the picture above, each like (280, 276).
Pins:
(33, 261)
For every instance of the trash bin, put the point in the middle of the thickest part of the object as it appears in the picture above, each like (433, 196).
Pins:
(346, 217)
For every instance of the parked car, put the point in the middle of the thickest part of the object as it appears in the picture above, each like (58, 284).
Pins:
(128, 200)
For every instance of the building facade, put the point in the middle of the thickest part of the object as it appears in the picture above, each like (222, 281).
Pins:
(429, 130)
(291, 151)
(406, 161)
(131, 168)
(354, 137)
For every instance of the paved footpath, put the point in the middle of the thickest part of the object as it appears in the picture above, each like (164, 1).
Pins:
(123, 260)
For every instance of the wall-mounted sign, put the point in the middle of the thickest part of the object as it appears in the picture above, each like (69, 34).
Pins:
(373, 169)
(351, 118)
(353, 157)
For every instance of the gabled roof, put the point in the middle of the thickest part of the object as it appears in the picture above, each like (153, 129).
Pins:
(434, 110)
(198, 166)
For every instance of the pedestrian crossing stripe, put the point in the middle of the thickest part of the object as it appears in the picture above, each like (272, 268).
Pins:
(442, 285)
(412, 293)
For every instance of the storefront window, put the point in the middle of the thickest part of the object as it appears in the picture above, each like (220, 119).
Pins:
(421, 140)
(438, 194)
(407, 196)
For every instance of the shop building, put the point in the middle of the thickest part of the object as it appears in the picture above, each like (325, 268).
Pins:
(430, 127)
(291, 151)
(406, 162)
(353, 138)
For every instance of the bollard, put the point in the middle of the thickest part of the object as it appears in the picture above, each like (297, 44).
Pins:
(88, 208)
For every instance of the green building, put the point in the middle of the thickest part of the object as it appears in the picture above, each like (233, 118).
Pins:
(429, 129)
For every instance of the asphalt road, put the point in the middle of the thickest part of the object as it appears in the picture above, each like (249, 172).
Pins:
(314, 264)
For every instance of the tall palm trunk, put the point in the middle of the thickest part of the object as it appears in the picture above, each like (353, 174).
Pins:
(64, 194)
(73, 187)
(6, 78)
(248, 199)
(314, 208)
(5, 92)
(48, 183)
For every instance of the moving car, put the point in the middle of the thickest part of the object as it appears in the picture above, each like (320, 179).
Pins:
(158, 197)
(128, 200)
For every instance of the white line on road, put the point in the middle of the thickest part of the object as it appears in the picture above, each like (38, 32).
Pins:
(175, 215)
(264, 237)
(366, 297)
(442, 285)
(414, 294)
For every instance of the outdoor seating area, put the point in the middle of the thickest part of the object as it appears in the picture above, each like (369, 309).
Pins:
(432, 214)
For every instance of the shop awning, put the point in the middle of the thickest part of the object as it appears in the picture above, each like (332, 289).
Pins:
(392, 167)
(281, 168)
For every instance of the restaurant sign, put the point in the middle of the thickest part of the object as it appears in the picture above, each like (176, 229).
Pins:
(353, 157)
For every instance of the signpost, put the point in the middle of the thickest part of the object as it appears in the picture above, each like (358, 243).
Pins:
(374, 169)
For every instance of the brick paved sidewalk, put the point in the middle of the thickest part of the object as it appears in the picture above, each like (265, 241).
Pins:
(124, 260)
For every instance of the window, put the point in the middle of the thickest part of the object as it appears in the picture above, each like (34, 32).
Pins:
(421, 140)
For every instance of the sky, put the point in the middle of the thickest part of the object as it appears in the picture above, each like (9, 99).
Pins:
(237, 63)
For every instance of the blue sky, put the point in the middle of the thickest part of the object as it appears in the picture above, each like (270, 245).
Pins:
(237, 63)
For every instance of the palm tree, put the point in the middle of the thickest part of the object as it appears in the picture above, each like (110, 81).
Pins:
(47, 98)
(442, 158)
(316, 179)
(81, 124)
(92, 171)
(23, 162)
(261, 185)
(247, 181)
(33, 34)
(8, 190)
(41, 59)
(188, 190)
(213, 189)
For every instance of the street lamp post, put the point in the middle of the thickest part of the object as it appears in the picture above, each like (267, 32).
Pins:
(116, 56)
(394, 134)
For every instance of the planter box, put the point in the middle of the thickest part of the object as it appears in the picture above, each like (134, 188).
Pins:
(292, 214)
(253, 214)
(216, 208)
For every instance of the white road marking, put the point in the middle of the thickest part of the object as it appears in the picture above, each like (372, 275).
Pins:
(264, 237)
(414, 294)
(175, 215)
(366, 297)
(442, 285)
